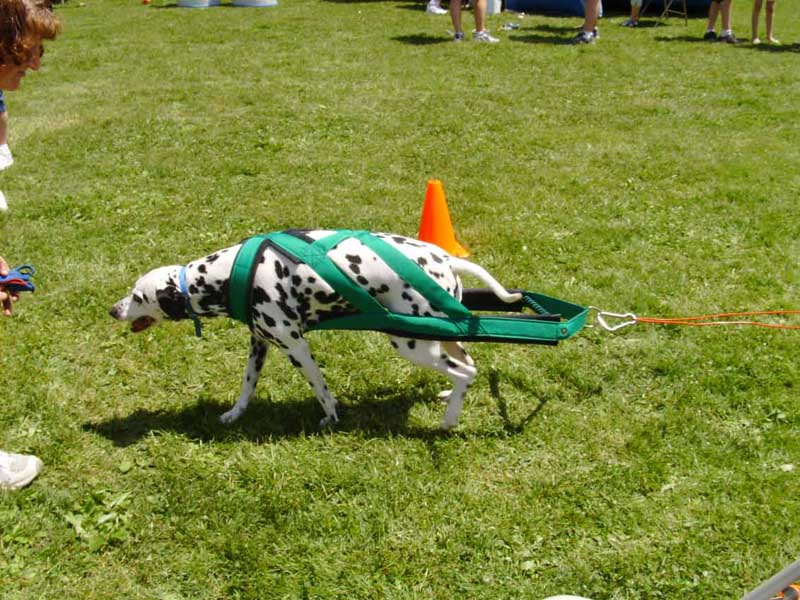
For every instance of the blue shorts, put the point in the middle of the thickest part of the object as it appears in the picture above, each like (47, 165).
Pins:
(2, 102)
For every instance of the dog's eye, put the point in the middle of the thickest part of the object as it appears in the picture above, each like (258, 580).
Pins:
(137, 298)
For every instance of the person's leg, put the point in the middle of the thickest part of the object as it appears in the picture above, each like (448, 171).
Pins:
(725, 9)
(480, 15)
(769, 16)
(713, 11)
(455, 17)
(754, 21)
(3, 128)
(592, 12)
(635, 8)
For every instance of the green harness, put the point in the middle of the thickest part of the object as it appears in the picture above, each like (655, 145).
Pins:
(555, 319)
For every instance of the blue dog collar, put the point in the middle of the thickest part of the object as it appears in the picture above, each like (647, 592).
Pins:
(189, 310)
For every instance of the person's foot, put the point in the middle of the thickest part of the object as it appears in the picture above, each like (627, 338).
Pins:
(755, 41)
(483, 36)
(6, 160)
(458, 36)
(727, 38)
(584, 37)
(18, 470)
(630, 23)
(434, 9)
(710, 36)
(774, 42)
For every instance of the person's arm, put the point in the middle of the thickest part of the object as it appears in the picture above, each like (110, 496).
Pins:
(6, 298)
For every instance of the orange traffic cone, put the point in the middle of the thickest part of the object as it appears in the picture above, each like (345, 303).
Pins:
(435, 226)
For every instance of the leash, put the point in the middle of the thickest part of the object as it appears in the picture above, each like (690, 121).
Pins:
(713, 320)
(198, 328)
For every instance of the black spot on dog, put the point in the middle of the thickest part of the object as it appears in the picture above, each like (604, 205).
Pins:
(202, 269)
(422, 261)
(398, 240)
(296, 280)
(354, 268)
(362, 280)
(279, 269)
(324, 298)
(437, 258)
(260, 296)
(294, 361)
(411, 344)
(353, 258)
(172, 302)
(312, 280)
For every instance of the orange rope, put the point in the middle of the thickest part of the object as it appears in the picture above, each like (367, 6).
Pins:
(712, 320)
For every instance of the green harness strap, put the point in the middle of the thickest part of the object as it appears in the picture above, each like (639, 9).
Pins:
(459, 324)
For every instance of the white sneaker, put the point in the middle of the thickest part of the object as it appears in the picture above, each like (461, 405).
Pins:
(18, 470)
(434, 9)
(483, 36)
(6, 160)
(3, 203)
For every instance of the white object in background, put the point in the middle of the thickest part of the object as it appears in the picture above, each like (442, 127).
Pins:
(255, 3)
(197, 3)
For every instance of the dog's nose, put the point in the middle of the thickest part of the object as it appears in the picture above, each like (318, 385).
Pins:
(114, 312)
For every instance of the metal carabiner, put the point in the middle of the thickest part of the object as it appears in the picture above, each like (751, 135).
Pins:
(603, 314)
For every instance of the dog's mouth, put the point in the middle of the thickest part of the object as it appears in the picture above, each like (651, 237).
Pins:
(141, 324)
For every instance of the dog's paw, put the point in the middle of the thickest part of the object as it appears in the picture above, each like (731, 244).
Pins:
(448, 425)
(230, 416)
(328, 421)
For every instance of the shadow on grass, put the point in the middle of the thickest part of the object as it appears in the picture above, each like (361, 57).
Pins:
(384, 413)
(770, 47)
(502, 407)
(422, 39)
(542, 39)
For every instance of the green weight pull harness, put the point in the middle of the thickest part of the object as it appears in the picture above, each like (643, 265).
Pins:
(554, 319)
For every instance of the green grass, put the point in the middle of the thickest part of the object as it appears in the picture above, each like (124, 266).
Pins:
(650, 173)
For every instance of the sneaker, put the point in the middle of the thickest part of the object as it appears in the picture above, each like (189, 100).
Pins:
(596, 33)
(6, 160)
(710, 36)
(458, 36)
(435, 9)
(630, 23)
(727, 38)
(18, 470)
(584, 38)
(483, 36)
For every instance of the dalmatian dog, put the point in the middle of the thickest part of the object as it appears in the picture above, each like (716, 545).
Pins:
(288, 297)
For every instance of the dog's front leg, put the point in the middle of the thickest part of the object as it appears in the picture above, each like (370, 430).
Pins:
(300, 355)
(258, 352)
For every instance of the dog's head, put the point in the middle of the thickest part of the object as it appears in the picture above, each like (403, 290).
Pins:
(154, 298)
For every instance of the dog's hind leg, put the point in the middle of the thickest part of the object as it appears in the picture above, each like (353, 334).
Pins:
(300, 355)
(448, 358)
(255, 362)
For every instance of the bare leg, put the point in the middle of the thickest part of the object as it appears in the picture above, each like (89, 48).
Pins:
(754, 21)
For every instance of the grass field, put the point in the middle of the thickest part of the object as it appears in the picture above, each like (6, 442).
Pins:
(651, 173)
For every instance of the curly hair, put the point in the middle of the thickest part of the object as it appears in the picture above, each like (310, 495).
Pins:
(23, 24)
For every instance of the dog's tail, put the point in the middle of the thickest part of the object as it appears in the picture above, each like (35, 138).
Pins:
(464, 266)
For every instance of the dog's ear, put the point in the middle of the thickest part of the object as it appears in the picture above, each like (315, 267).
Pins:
(172, 303)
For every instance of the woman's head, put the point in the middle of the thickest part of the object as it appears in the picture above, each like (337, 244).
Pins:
(23, 26)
